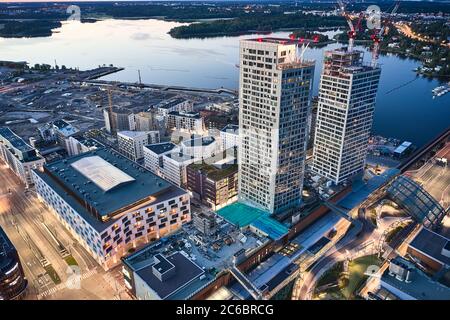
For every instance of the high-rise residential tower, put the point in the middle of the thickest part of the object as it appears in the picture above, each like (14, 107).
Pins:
(347, 95)
(274, 96)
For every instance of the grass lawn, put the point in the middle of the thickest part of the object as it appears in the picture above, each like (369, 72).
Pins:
(53, 275)
(356, 269)
(70, 260)
(346, 288)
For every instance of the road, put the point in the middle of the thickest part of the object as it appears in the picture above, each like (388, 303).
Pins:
(406, 30)
(353, 245)
(434, 177)
(30, 226)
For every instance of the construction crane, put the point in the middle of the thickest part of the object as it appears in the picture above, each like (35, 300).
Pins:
(378, 35)
(352, 32)
(110, 103)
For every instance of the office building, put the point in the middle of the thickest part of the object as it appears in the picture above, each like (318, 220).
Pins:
(77, 145)
(109, 203)
(131, 143)
(205, 222)
(19, 156)
(200, 147)
(174, 166)
(190, 122)
(214, 186)
(346, 105)
(13, 283)
(406, 282)
(118, 120)
(177, 104)
(229, 136)
(275, 93)
(63, 131)
(153, 154)
(157, 276)
(143, 121)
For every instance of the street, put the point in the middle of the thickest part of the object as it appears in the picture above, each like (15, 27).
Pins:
(435, 178)
(44, 246)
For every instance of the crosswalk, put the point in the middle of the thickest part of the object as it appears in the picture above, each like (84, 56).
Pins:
(64, 285)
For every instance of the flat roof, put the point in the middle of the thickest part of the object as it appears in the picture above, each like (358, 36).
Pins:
(132, 134)
(401, 148)
(101, 172)
(160, 148)
(65, 128)
(213, 172)
(144, 186)
(178, 156)
(186, 271)
(242, 215)
(171, 103)
(231, 128)
(16, 141)
(421, 287)
(196, 142)
(188, 114)
(431, 244)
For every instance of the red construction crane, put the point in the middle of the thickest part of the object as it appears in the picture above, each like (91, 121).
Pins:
(378, 34)
(353, 29)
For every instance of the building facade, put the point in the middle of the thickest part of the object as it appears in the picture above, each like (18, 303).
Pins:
(110, 204)
(174, 166)
(118, 120)
(346, 105)
(153, 154)
(19, 156)
(229, 136)
(131, 143)
(63, 131)
(214, 187)
(78, 145)
(13, 283)
(190, 122)
(201, 147)
(143, 121)
(178, 104)
(275, 92)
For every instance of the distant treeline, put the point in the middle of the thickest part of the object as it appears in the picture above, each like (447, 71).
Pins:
(33, 28)
(256, 23)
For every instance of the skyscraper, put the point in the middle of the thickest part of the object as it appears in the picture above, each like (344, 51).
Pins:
(347, 95)
(275, 91)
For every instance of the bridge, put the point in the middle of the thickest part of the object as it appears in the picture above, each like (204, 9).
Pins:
(443, 136)
(417, 201)
(246, 283)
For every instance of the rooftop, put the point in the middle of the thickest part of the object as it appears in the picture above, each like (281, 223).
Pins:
(16, 141)
(186, 271)
(132, 134)
(213, 172)
(179, 156)
(431, 244)
(65, 128)
(105, 182)
(160, 148)
(193, 115)
(6, 247)
(196, 142)
(243, 215)
(171, 103)
(421, 287)
(231, 128)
